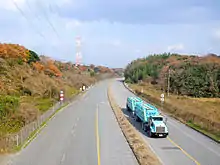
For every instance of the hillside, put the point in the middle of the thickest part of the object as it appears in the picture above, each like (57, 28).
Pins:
(189, 75)
(30, 84)
(194, 84)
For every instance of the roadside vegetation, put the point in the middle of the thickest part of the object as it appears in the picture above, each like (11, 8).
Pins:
(141, 150)
(194, 83)
(30, 84)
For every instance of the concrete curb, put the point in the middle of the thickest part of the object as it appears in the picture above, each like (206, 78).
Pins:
(217, 141)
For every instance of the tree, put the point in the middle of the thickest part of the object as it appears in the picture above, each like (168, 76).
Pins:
(33, 57)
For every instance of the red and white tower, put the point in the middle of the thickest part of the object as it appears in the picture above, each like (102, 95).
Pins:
(78, 51)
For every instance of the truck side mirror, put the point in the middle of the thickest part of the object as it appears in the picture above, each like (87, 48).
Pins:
(165, 121)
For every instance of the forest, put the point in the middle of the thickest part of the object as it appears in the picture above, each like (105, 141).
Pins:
(189, 75)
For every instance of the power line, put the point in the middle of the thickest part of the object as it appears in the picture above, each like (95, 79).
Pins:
(30, 9)
(31, 24)
(48, 20)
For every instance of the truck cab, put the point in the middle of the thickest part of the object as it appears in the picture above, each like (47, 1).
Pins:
(157, 126)
(132, 102)
(152, 121)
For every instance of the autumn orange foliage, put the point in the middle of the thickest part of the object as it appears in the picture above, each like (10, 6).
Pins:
(38, 66)
(13, 51)
(53, 68)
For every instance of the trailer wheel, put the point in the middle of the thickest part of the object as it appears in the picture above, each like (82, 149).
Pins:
(142, 126)
(145, 127)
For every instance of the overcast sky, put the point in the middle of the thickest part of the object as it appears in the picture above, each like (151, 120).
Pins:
(113, 32)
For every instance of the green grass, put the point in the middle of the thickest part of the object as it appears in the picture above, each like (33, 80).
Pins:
(43, 104)
(10, 126)
(204, 131)
(71, 92)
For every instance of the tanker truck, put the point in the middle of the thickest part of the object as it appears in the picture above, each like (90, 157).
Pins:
(151, 120)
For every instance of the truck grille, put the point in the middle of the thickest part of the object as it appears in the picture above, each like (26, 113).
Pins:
(160, 129)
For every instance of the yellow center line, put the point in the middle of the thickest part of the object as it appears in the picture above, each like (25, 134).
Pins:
(97, 136)
(188, 155)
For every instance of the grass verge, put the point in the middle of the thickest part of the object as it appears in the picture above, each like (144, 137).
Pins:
(203, 131)
(201, 114)
(141, 150)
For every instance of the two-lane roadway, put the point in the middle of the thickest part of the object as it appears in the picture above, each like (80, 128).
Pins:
(183, 146)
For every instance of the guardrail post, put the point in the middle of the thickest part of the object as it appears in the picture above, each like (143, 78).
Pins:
(17, 140)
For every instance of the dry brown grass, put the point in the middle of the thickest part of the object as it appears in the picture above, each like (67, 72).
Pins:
(141, 150)
(203, 112)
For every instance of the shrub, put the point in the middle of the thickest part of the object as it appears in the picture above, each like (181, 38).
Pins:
(8, 104)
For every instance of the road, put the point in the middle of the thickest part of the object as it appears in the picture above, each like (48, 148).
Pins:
(84, 133)
(183, 146)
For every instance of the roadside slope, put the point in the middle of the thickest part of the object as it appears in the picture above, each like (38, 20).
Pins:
(199, 148)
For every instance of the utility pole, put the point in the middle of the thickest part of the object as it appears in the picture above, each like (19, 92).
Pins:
(168, 83)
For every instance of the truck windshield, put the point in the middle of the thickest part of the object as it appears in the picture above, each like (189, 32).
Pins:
(157, 118)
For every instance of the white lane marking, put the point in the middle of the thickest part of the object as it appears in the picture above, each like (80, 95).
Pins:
(10, 162)
(126, 116)
(74, 126)
(63, 158)
(196, 140)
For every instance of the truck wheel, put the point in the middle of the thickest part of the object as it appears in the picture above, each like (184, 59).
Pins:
(144, 127)
(137, 118)
(127, 107)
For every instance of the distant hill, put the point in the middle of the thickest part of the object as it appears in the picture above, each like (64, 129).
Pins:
(189, 75)
(119, 71)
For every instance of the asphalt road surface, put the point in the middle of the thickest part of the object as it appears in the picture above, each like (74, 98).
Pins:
(84, 133)
(183, 146)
